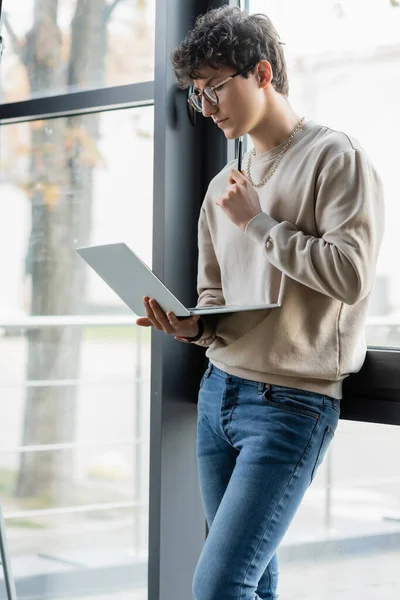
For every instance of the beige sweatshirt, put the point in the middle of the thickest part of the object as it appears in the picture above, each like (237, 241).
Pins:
(317, 238)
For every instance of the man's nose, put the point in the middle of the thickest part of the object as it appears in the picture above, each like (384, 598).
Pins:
(207, 108)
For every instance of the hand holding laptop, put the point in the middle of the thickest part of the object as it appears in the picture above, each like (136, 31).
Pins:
(131, 279)
(181, 328)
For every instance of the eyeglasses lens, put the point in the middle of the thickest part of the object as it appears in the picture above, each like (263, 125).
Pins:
(196, 102)
(209, 95)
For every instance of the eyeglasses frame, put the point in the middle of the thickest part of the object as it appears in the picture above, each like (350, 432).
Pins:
(213, 88)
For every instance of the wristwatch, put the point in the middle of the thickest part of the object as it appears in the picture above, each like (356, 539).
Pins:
(198, 336)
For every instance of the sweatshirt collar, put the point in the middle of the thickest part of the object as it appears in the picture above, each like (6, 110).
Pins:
(270, 154)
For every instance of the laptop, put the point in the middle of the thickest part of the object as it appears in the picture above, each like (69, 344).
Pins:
(131, 279)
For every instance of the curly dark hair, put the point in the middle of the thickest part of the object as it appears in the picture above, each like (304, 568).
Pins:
(229, 36)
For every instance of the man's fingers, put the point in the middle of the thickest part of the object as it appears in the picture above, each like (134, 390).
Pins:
(143, 322)
(169, 323)
(150, 314)
(176, 323)
(236, 176)
(221, 201)
(178, 320)
(181, 339)
(233, 175)
(161, 317)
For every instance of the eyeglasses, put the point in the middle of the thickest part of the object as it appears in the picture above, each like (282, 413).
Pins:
(209, 93)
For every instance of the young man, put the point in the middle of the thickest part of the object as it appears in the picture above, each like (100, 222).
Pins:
(306, 214)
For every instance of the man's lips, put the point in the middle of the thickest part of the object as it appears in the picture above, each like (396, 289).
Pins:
(220, 121)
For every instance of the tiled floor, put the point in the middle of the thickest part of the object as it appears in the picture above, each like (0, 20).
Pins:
(368, 577)
(130, 595)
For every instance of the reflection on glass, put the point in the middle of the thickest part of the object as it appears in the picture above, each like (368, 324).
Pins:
(344, 72)
(74, 45)
(74, 424)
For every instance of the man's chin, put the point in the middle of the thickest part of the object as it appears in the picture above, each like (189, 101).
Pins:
(230, 134)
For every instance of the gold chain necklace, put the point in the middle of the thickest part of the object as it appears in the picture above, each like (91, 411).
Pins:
(277, 160)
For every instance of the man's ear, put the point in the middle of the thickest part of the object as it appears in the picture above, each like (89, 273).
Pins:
(264, 73)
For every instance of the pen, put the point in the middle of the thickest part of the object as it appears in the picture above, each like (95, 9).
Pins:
(240, 154)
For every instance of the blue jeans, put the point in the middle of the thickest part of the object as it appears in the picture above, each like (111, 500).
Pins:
(258, 449)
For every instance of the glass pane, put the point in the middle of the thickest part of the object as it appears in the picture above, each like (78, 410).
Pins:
(75, 369)
(344, 543)
(344, 72)
(73, 45)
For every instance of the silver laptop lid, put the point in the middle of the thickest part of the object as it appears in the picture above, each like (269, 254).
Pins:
(130, 278)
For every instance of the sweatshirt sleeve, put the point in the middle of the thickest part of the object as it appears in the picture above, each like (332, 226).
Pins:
(209, 286)
(349, 217)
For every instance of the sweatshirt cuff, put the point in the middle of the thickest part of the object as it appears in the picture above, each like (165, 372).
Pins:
(259, 228)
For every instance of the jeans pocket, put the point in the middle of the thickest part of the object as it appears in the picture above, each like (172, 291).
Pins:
(326, 440)
(290, 404)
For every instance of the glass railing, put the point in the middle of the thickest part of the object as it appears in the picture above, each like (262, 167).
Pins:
(91, 513)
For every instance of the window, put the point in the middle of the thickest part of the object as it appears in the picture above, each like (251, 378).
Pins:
(75, 369)
(344, 71)
(74, 45)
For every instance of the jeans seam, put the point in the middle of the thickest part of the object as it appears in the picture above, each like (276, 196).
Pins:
(226, 440)
(278, 504)
(265, 532)
(229, 425)
(272, 577)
